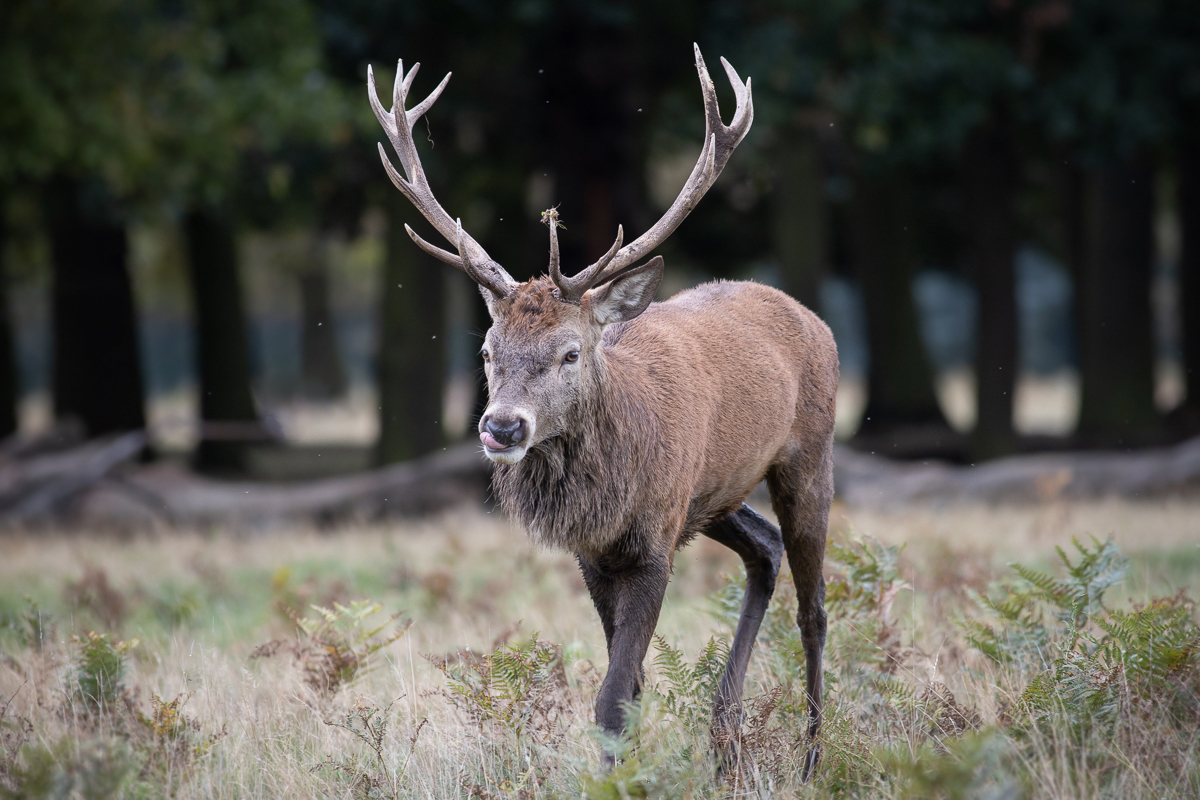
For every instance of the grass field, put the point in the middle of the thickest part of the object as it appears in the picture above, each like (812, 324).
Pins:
(193, 664)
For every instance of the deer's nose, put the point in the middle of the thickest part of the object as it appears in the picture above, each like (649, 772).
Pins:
(507, 431)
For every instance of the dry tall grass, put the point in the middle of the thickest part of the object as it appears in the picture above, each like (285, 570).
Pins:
(467, 704)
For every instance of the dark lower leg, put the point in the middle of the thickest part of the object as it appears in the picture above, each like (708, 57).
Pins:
(760, 545)
(603, 594)
(804, 519)
(632, 600)
(812, 634)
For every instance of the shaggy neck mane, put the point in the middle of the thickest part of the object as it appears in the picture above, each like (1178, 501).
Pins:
(575, 490)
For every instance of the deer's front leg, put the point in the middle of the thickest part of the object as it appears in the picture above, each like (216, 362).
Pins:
(628, 600)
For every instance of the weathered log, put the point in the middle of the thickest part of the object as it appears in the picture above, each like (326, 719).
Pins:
(866, 480)
(43, 486)
(87, 481)
(169, 492)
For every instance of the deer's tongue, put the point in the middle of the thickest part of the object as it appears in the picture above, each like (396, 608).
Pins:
(490, 443)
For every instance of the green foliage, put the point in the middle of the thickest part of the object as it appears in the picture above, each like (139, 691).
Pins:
(94, 769)
(513, 687)
(976, 766)
(916, 78)
(158, 99)
(338, 645)
(174, 606)
(1023, 632)
(99, 671)
(168, 742)
(690, 688)
(868, 580)
(38, 625)
(516, 696)
(863, 638)
(1098, 666)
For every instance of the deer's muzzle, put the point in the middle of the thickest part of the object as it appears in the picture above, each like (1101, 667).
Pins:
(505, 434)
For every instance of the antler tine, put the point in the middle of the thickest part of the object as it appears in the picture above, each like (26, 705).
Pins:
(719, 143)
(743, 115)
(481, 276)
(574, 287)
(408, 79)
(445, 256)
(398, 124)
(383, 115)
(417, 112)
(712, 109)
(551, 217)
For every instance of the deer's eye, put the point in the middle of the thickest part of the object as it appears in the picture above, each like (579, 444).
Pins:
(571, 357)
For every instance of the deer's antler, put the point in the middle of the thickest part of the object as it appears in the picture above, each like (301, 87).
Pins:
(398, 124)
(719, 143)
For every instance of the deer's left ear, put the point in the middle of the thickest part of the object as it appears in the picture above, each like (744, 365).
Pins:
(627, 295)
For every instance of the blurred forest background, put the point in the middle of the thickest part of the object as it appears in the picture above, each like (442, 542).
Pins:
(994, 203)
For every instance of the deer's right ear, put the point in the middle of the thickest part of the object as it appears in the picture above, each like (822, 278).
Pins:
(627, 295)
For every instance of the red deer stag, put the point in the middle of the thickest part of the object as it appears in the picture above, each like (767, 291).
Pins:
(621, 429)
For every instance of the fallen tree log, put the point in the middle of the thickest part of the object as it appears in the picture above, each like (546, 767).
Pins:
(169, 492)
(43, 486)
(461, 476)
(866, 480)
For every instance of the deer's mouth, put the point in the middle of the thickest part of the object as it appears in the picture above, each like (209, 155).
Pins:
(501, 453)
(494, 446)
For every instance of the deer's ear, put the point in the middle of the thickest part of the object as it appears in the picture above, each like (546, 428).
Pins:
(490, 299)
(627, 295)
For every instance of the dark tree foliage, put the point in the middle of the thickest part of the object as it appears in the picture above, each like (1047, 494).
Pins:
(116, 106)
(73, 124)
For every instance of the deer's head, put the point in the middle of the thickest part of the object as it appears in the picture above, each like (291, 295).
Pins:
(542, 354)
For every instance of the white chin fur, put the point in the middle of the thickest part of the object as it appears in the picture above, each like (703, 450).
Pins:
(505, 456)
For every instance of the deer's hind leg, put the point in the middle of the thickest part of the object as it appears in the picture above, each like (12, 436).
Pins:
(801, 487)
(760, 545)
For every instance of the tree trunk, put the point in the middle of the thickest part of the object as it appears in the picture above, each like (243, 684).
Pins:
(899, 379)
(799, 224)
(97, 373)
(10, 393)
(322, 374)
(1116, 345)
(227, 411)
(990, 182)
(1189, 273)
(412, 360)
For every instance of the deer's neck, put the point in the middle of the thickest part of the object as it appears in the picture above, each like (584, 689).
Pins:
(575, 491)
